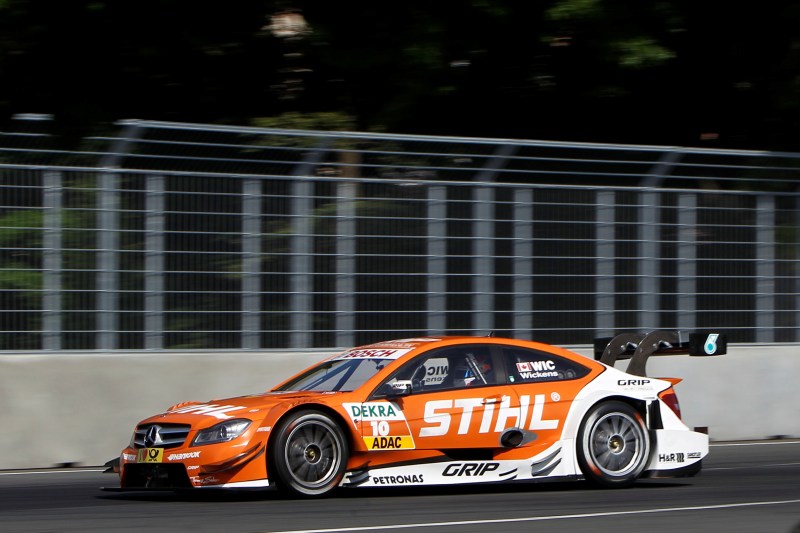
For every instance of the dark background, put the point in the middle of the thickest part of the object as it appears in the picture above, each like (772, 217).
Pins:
(676, 72)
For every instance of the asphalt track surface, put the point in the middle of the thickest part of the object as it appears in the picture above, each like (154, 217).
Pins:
(744, 487)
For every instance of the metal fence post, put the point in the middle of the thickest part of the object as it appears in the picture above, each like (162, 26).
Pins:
(154, 263)
(437, 260)
(346, 264)
(687, 262)
(301, 247)
(796, 267)
(52, 260)
(483, 258)
(251, 264)
(483, 262)
(301, 264)
(523, 263)
(605, 261)
(107, 261)
(765, 268)
(649, 261)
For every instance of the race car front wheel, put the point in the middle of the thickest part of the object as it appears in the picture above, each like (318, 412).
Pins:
(309, 454)
(613, 445)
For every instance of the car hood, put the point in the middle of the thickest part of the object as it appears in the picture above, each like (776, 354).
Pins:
(254, 407)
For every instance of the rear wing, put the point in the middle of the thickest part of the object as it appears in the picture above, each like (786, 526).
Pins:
(638, 347)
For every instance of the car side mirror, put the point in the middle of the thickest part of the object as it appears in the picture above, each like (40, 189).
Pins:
(401, 387)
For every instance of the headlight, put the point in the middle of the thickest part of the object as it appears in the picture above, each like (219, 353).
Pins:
(222, 432)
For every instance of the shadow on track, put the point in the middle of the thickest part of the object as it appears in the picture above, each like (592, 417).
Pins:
(223, 495)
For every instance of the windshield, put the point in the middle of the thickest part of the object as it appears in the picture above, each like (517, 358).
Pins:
(336, 375)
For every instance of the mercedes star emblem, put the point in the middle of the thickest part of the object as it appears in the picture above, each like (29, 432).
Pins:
(152, 437)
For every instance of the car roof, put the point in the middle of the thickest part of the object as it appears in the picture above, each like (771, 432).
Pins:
(414, 345)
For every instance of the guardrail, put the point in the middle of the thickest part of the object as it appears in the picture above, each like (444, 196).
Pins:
(80, 409)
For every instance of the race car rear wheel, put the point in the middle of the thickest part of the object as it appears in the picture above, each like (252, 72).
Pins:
(309, 454)
(613, 445)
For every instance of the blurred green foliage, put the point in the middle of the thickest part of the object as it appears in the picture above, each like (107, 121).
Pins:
(665, 72)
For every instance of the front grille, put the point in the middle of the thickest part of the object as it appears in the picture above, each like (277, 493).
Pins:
(152, 476)
(169, 435)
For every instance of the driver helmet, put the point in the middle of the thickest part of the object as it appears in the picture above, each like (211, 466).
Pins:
(485, 367)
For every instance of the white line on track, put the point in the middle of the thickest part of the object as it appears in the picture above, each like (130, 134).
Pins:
(40, 472)
(540, 518)
(777, 443)
(751, 466)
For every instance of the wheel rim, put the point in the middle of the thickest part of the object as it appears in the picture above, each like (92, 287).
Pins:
(313, 454)
(616, 444)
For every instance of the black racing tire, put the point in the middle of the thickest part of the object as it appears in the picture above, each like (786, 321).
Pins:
(309, 454)
(613, 445)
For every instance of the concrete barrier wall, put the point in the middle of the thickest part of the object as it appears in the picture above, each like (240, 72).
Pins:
(81, 409)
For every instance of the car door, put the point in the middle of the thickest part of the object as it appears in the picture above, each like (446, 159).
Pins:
(546, 385)
(458, 399)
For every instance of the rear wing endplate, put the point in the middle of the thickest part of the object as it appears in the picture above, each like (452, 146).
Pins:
(638, 347)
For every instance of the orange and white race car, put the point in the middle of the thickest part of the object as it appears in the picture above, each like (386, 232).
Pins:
(434, 411)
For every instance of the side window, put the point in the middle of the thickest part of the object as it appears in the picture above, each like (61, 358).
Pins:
(532, 366)
(437, 370)
(472, 366)
(450, 368)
